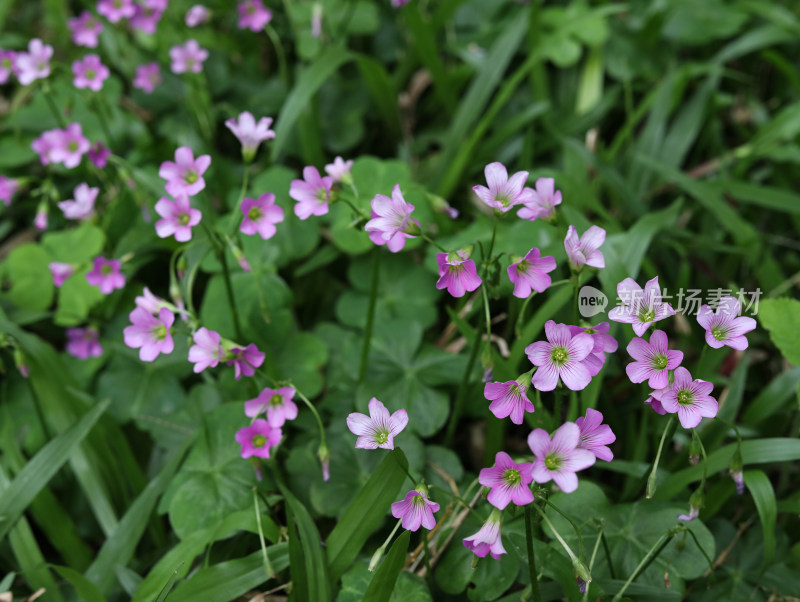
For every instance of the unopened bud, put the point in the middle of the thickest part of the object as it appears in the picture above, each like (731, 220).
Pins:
(376, 558)
(581, 571)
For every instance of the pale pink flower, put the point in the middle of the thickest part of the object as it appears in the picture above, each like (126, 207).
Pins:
(253, 15)
(116, 10)
(34, 64)
(69, 146)
(207, 350)
(312, 193)
(416, 510)
(640, 308)
(530, 273)
(508, 399)
(8, 59)
(509, 482)
(250, 133)
(690, 399)
(89, 73)
(277, 403)
(85, 29)
(725, 327)
(561, 356)
(339, 168)
(185, 175)
(654, 360)
(45, 144)
(148, 14)
(596, 436)
(82, 207)
(105, 275)
(40, 219)
(379, 428)
(584, 251)
(542, 204)
(83, 343)
(391, 221)
(147, 77)
(150, 334)
(559, 458)
(487, 540)
(150, 302)
(503, 192)
(261, 215)
(603, 344)
(457, 273)
(177, 218)
(245, 360)
(60, 272)
(196, 15)
(8, 186)
(187, 58)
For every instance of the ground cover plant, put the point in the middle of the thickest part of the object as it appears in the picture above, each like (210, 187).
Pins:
(399, 300)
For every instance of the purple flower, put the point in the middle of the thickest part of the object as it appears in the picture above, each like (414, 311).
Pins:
(603, 343)
(487, 540)
(8, 59)
(147, 77)
(99, 154)
(148, 14)
(584, 251)
(693, 514)
(150, 334)
(690, 399)
(543, 202)
(261, 215)
(85, 29)
(738, 479)
(207, 350)
(69, 145)
(457, 273)
(379, 428)
(654, 360)
(187, 58)
(312, 193)
(8, 186)
(105, 275)
(253, 15)
(338, 169)
(416, 510)
(89, 73)
(560, 357)
(82, 207)
(640, 308)
(530, 273)
(508, 399)
(196, 15)
(83, 343)
(116, 10)
(60, 272)
(277, 403)
(503, 192)
(560, 458)
(185, 175)
(40, 219)
(509, 482)
(391, 221)
(245, 360)
(725, 327)
(177, 218)
(250, 133)
(258, 438)
(654, 401)
(595, 436)
(34, 64)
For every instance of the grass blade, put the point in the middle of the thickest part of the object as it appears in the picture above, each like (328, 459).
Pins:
(382, 584)
(764, 497)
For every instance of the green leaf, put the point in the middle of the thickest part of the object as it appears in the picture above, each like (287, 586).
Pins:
(31, 282)
(382, 584)
(427, 51)
(77, 245)
(87, 590)
(782, 318)
(760, 488)
(36, 474)
(365, 513)
(782, 388)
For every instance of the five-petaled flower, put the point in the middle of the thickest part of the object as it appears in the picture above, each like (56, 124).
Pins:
(543, 203)
(187, 58)
(503, 192)
(312, 193)
(251, 133)
(260, 216)
(726, 326)
(584, 250)
(561, 457)
(90, 72)
(690, 399)
(185, 175)
(508, 399)
(457, 273)
(487, 540)
(640, 308)
(105, 275)
(277, 403)
(379, 428)
(207, 350)
(253, 15)
(416, 510)
(245, 360)
(150, 334)
(177, 218)
(561, 356)
(530, 273)
(83, 343)
(82, 206)
(509, 481)
(258, 439)
(654, 360)
(596, 436)
(391, 221)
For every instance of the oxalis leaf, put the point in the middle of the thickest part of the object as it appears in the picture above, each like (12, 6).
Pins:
(782, 318)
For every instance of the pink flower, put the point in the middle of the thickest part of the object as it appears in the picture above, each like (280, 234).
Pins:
(503, 192)
(487, 540)
(312, 193)
(90, 73)
(196, 15)
(399, 3)
(148, 14)
(83, 343)
(187, 58)
(60, 272)
(690, 399)
(603, 343)
(250, 133)
(99, 154)
(253, 15)
(150, 334)
(83, 206)
(40, 219)
(185, 175)
(85, 29)
(725, 327)
(147, 77)
(457, 273)
(258, 438)
(8, 59)
(640, 308)
(116, 10)
(260, 216)
(530, 273)
(560, 357)
(560, 458)
(338, 169)
(509, 482)
(542, 204)
(596, 436)
(391, 221)
(654, 360)
(245, 360)
(44, 145)
(207, 350)
(177, 218)
(416, 510)
(277, 403)
(654, 401)
(508, 399)
(379, 428)
(150, 302)
(8, 186)
(105, 275)
(34, 64)
(584, 251)
(69, 146)
(316, 20)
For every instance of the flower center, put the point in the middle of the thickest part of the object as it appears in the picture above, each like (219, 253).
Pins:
(190, 177)
(523, 266)
(515, 391)
(511, 477)
(160, 332)
(72, 146)
(106, 270)
(381, 437)
(659, 361)
(503, 199)
(117, 3)
(322, 194)
(418, 500)
(647, 314)
(719, 333)
(90, 74)
(685, 397)
(183, 219)
(6, 63)
(276, 400)
(254, 214)
(559, 356)
(259, 441)
(190, 63)
(552, 462)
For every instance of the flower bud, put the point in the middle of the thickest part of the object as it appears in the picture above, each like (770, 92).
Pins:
(581, 570)
(376, 558)
(324, 454)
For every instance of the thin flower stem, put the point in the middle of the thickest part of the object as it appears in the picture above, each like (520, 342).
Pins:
(607, 551)
(705, 458)
(576, 287)
(226, 273)
(521, 315)
(276, 44)
(373, 297)
(430, 241)
(651, 480)
(238, 217)
(651, 555)
(487, 315)
(391, 535)
(313, 411)
(537, 595)
(462, 390)
(557, 535)
(47, 92)
(267, 563)
(591, 561)
(355, 209)
(571, 522)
